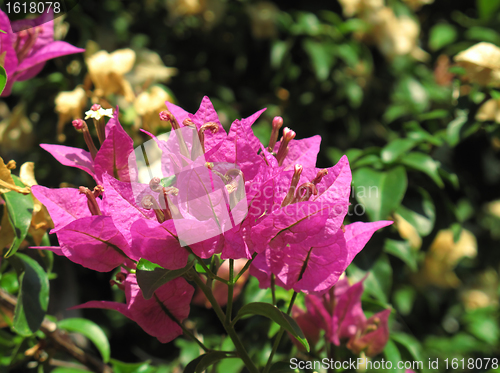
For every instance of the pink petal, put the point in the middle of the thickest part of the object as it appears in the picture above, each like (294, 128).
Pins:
(106, 305)
(179, 113)
(72, 157)
(348, 317)
(295, 222)
(120, 202)
(158, 243)
(48, 52)
(55, 249)
(94, 242)
(335, 185)
(175, 296)
(312, 266)
(112, 122)
(6, 43)
(65, 205)
(373, 342)
(241, 147)
(113, 156)
(358, 234)
(206, 113)
(303, 151)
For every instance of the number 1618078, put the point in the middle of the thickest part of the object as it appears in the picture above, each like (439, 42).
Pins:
(32, 7)
(471, 363)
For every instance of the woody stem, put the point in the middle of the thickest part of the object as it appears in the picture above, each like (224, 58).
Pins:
(280, 335)
(242, 353)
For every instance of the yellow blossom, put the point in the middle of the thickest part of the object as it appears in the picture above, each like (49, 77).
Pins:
(69, 106)
(481, 63)
(107, 70)
(149, 104)
(443, 256)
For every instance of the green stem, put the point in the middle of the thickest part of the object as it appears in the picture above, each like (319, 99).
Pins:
(244, 269)
(273, 289)
(280, 335)
(230, 288)
(207, 270)
(242, 353)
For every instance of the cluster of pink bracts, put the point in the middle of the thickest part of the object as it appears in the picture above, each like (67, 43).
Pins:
(293, 229)
(27, 44)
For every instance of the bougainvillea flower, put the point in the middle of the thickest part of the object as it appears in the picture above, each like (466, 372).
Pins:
(95, 243)
(27, 45)
(111, 158)
(373, 337)
(86, 235)
(315, 264)
(339, 313)
(174, 296)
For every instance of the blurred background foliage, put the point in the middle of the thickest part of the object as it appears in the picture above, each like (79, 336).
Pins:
(391, 84)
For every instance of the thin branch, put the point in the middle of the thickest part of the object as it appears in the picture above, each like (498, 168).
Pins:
(59, 337)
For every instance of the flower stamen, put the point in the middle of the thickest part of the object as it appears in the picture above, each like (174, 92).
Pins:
(80, 124)
(148, 202)
(91, 200)
(277, 124)
(288, 135)
(212, 126)
(293, 186)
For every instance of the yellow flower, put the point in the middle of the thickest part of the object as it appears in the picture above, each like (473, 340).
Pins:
(490, 110)
(443, 256)
(148, 105)
(481, 63)
(69, 106)
(40, 220)
(408, 232)
(107, 72)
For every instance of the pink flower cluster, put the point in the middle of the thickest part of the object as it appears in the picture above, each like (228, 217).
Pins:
(293, 231)
(338, 312)
(27, 44)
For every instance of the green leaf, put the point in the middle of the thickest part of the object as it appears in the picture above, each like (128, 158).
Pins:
(403, 251)
(403, 299)
(20, 208)
(487, 8)
(211, 358)
(121, 367)
(279, 50)
(3, 79)
(395, 149)
(68, 370)
(393, 355)
(455, 127)
(380, 192)
(441, 35)
(191, 367)
(419, 211)
(90, 330)
(379, 280)
(321, 57)
(151, 276)
(282, 367)
(411, 344)
(368, 160)
(167, 181)
(273, 313)
(424, 163)
(33, 296)
(483, 34)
